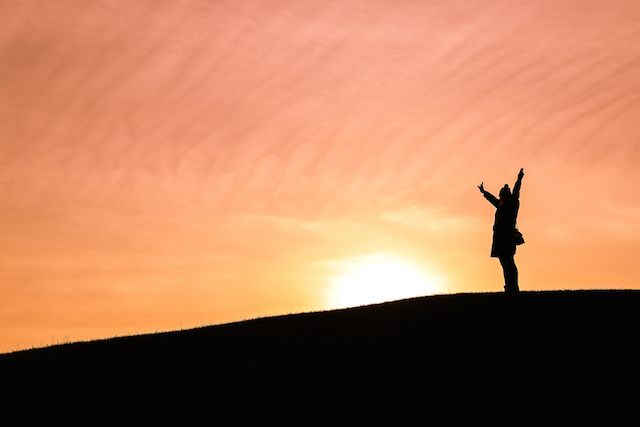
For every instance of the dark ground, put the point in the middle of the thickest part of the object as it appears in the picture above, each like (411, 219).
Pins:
(535, 358)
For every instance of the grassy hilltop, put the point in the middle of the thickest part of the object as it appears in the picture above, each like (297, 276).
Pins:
(533, 358)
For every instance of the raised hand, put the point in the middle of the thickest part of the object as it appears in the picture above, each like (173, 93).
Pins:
(481, 187)
(521, 174)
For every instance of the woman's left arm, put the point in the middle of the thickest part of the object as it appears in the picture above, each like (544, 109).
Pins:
(518, 184)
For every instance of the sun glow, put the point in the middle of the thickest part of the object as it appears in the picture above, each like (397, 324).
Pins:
(379, 279)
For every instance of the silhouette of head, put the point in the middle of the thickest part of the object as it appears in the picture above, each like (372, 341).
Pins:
(505, 192)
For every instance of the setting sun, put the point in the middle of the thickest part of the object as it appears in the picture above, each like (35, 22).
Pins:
(378, 279)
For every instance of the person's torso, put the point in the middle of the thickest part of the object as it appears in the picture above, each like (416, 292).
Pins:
(506, 214)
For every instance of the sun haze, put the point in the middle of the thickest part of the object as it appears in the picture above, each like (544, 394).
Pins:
(375, 279)
(168, 164)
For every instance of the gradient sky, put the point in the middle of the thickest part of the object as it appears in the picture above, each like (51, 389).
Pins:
(166, 164)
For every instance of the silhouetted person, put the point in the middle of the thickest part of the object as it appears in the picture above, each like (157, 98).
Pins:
(504, 241)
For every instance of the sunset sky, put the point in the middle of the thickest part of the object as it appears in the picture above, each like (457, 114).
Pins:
(167, 164)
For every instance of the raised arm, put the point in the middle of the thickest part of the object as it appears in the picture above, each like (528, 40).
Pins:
(518, 184)
(490, 197)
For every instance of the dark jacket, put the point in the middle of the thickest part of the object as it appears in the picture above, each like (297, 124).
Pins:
(505, 222)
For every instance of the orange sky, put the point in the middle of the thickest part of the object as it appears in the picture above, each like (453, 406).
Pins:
(172, 163)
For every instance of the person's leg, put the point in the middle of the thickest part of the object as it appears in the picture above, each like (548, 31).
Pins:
(516, 288)
(504, 263)
(510, 273)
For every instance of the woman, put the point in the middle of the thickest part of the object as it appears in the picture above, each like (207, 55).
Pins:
(504, 240)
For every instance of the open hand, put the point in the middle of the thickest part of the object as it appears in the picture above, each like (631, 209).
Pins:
(481, 187)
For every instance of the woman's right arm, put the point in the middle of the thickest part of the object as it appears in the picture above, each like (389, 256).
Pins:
(490, 197)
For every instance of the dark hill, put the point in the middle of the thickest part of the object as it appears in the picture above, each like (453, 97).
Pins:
(534, 358)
